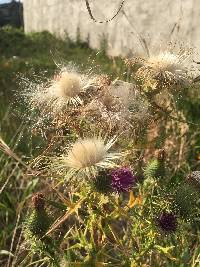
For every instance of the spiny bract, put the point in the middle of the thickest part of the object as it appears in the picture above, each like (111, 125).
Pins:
(102, 182)
(185, 200)
(154, 169)
(37, 223)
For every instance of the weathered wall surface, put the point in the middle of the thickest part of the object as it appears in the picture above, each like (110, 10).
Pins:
(154, 20)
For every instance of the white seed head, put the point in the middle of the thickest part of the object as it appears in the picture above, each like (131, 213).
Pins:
(55, 95)
(67, 86)
(165, 69)
(165, 62)
(86, 155)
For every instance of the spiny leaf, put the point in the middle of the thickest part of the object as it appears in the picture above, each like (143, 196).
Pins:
(134, 200)
(5, 252)
(6, 149)
(166, 251)
(62, 219)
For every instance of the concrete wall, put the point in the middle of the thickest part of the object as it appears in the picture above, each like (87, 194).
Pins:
(154, 20)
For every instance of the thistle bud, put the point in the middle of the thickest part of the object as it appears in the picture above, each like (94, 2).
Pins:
(167, 222)
(102, 182)
(185, 200)
(161, 155)
(38, 222)
(156, 167)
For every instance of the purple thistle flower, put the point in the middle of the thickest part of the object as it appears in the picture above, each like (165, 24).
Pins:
(122, 179)
(167, 221)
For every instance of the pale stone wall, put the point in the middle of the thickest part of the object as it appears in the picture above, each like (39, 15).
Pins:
(154, 20)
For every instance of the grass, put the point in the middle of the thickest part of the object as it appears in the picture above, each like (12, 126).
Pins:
(36, 53)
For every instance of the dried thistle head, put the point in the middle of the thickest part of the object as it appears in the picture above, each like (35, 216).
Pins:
(99, 117)
(123, 91)
(135, 61)
(86, 156)
(166, 62)
(165, 70)
(52, 96)
(64, 91)
(118, 106)
(67, 86)
(38, 201)
(163, 99)
(102, 81)
(110, 102)
(161, 154)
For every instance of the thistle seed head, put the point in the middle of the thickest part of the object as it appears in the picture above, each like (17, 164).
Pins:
(87, 155)
(67, 85)
(165, 70)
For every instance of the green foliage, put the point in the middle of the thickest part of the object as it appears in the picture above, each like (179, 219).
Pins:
(41, 50)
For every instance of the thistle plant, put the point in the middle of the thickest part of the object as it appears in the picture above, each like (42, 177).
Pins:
(113, 200)
(35, 227)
